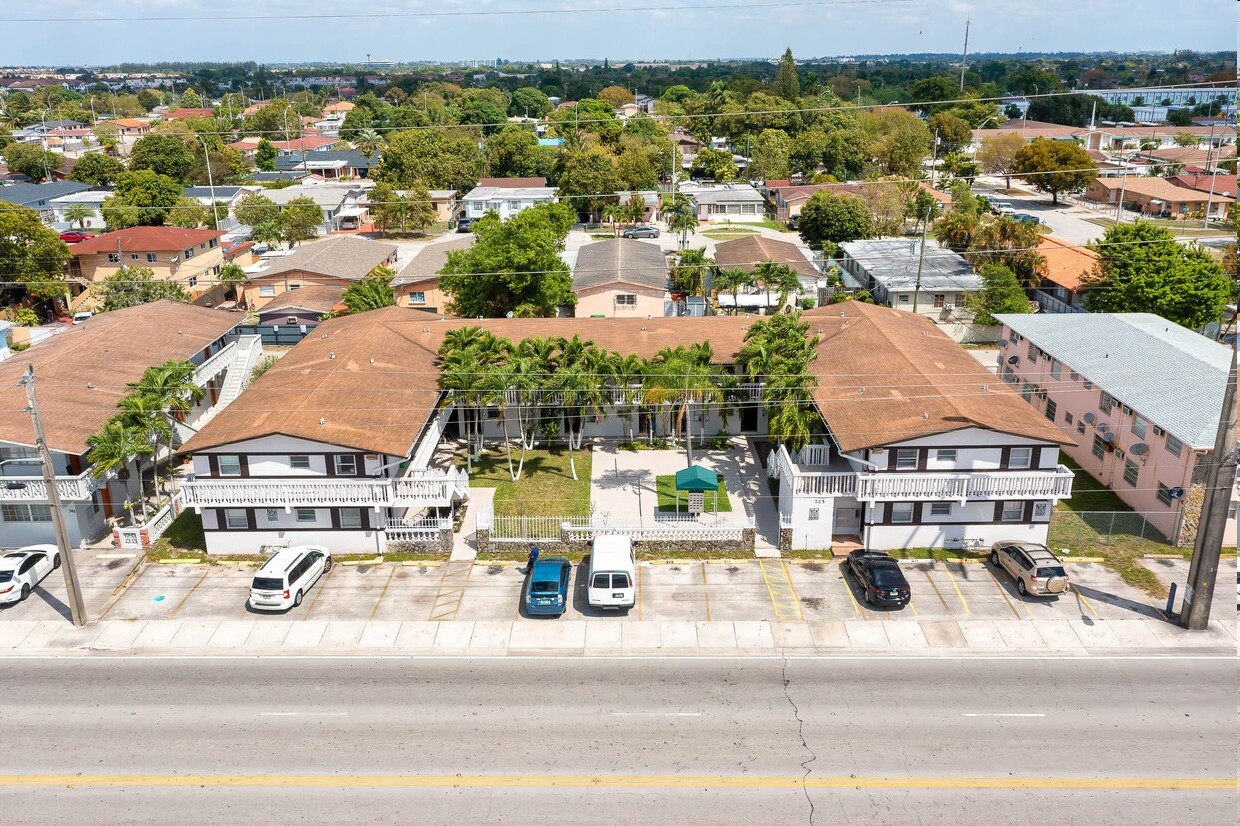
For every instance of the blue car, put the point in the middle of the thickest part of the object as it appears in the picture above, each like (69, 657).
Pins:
(546, 593)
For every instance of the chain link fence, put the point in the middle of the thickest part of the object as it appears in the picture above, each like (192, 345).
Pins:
(1082, 528)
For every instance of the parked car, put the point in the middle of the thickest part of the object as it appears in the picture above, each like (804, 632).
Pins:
(881, 580)
(641, 232)
(1002, 208)
(287, 575)
(22, 570)
(546, 594)
(463, 224)
(613, 574)
(1026, 218)
(1036, 570)
(74, 236)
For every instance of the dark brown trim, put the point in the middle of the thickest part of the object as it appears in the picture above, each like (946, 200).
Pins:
(923, 457)
(251, 517)
(1005, 458)
(998, 517)
(244, 461)
(334, 514)
(213, 465)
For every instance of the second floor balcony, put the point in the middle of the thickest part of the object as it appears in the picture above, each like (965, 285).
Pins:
(427, 488)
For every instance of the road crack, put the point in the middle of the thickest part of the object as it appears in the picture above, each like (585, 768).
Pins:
(796, 711)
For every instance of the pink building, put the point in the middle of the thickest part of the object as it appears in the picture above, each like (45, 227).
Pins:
(1140, 395)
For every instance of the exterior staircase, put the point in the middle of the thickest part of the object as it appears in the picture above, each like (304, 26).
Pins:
(249, 351)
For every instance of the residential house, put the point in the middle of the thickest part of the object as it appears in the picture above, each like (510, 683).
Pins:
(190, 257)
(304, 145)
(1217, 184)
(788, 200)
(1061, 289)
(417, 284)
(445, 204)
(229, 196)
(39, 197)
(91, 198)
(1158, 197)
(131, 127)
(80, 375)
(341, 203)
(188, 112)
(621, 278)
(896, 273)
(293, 314)
(513, 183)
(739, 203)
(746, 253)
(339, 262)
(649, 197)
(1188, 158)
(330, 164)
(505, 201)
(1140, 395)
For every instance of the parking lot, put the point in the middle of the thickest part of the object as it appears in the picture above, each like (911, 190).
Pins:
(743, 590)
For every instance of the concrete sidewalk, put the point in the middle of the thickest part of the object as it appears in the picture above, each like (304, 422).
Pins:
(622, 637)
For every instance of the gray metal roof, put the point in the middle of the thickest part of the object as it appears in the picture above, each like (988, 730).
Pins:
(22, 194)
(893, 263)
(1170, 375)
(725, 194)
(620, 260)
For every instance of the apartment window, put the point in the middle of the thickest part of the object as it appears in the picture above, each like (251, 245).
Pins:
(1131, 471)
(351, 518)
(235, 519)
(1016, 338)
(306, 515)
(1051, 410)
(267, 290)
(213, 243)
(1035, 352)
(152, 258)
(1080, 428)
(1075, 376)
(1012, 512)
(906, 458)
(193, 281)
(1164, 494)
(749, 209)
(26, 513)
(945, 455)
(903, 298)
(1099, 449)
(345, 465)
(229, 465)
(513, 206)
(417, 298)
(133, 256)
(1009, 376)
(291, 320)
(1139, 426)
(299, 462)
(940, 508)
(1068, 418)
(189, 253)
(939, 300)
(8, 453)
(626, 300)
(1105, 401)
(902, 512)
(1174, 445)
(114, 257)
(202, 246)
(1021, 457)
(1026, 391)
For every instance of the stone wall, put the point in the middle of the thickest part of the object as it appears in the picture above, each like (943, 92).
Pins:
(721, 547)
(441, 545)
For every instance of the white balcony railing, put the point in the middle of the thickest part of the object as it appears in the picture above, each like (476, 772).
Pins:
(425, 489)
(215, 364)
(1033, 484)
(33, 489)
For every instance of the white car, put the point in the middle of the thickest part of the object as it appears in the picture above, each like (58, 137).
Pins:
(286, 577)
(22, 570)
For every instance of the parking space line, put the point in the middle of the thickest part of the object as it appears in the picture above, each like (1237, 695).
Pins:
(318, 592)
(848, 590)
(705, 592)
(779, 586)
(955, 585)
(123, 589)
(1003, 593)
(383, 593)
(937, 592)
(451, 590)
(185, 599)
(1081, 598)
(639, 592)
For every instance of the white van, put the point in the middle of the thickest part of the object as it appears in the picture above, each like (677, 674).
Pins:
(1002, 208)
(613, 574)
(287, 575)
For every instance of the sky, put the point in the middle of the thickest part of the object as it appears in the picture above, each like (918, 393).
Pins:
(70, 32)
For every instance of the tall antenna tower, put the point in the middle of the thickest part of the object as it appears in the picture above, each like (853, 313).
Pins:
(964, 57)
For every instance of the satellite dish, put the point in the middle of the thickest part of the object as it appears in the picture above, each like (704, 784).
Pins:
(1003, 342)
(1013, 359)
(1089, 418)
(1103, 427)
(1108, 437)
(1139, 449)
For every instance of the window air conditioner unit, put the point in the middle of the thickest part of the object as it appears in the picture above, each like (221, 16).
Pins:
(1127, 410)
(1158, 431)
(1089, 385)
(1119, 454)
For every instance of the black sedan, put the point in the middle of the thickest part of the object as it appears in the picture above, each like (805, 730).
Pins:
(881, 580)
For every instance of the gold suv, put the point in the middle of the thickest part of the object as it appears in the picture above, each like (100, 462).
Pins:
(1036, 570)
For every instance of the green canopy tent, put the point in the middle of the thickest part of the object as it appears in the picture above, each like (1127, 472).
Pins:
(697, 479)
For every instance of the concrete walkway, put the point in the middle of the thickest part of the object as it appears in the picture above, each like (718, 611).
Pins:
(619, 637)
(464, 542)
(623, 485)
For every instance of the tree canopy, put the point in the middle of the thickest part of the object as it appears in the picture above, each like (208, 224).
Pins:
(131, 286)
(32, 254)
(1054, 166)
(834, 219)
(96, 169)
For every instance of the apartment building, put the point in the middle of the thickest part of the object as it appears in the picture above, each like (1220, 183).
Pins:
(190, 257)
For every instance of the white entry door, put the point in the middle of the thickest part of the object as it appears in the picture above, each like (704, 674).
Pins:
(847, 520)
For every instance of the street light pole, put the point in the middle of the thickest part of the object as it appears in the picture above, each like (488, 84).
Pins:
(77, 606)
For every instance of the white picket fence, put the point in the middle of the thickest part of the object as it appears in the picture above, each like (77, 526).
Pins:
(427, 529)
(665, 528)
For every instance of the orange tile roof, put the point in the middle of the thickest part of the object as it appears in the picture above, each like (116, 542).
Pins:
(1066, 263)
(145, 239)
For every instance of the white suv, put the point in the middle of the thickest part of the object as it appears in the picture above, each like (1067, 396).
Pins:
(287, 575)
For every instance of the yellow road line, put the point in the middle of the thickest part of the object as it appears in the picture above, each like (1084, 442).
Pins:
(957, 587)
(705, 592)
(318, 591)
(851, 598)
(780, 589)
(614, 781)
(440, 609)
(1084, 601)
(383, 593)
(185, 599)
(937, 592)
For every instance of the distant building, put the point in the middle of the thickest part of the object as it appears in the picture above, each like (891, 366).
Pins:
(895, 273)
(621, 278)
(505, 201)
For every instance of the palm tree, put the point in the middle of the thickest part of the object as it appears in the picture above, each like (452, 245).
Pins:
(368, 142)
(578, 380)
(467, 357)
(682, 377)
(780, 276)
(612, 213)
(79, 214)
(626, 373)
(731, 280)
(112, 449)
(147, 416)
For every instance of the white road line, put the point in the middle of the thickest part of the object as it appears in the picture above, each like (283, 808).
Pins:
(303, 714)
(1001, 714)
(656, 714)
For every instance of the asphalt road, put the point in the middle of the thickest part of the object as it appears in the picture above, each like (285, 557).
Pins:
(623, 741)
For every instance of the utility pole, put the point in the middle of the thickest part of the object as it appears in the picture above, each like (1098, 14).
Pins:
(1220, 479)
(921, 259)
(964, 57)
(77, 606)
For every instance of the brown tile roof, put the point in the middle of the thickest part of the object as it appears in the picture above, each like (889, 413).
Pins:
(426, 265)
(321, 297)
(887, 376)
(1160, 189)
(744, 253)
(129, 123)
(620, 260)
(342, 256)
(145, 239)
(1218, 184)
(189, 112)
(513, 183)
(81, 373)
(1065, 263)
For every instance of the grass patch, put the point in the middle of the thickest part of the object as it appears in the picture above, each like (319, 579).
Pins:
(724, 234)
(546, 486)
(940, 554)
(665, 488)
(183, 538)
(1120, 542)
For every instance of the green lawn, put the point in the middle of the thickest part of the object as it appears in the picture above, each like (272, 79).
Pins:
(665, 487)
(726, 234)
(1085, 525)
(183, 538)
(546, 487)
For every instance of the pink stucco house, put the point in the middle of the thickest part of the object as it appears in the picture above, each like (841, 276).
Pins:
(1140, 395)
